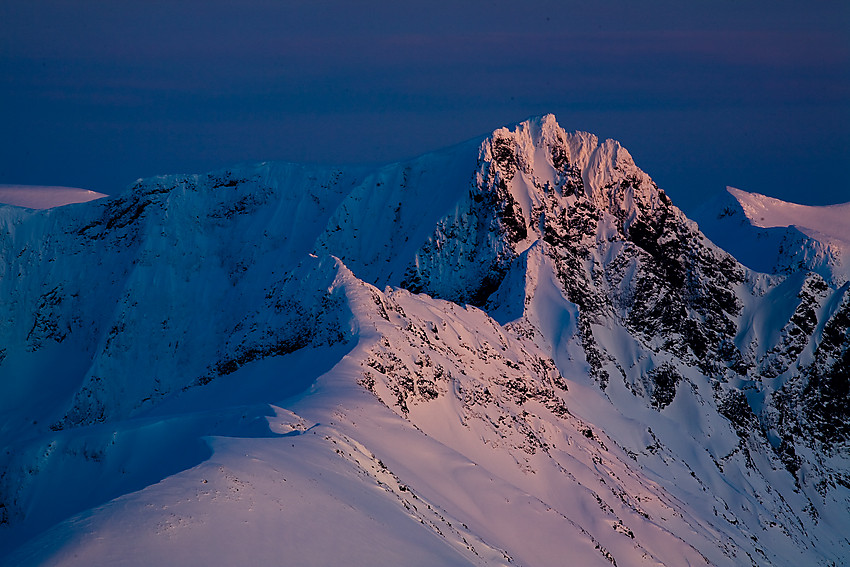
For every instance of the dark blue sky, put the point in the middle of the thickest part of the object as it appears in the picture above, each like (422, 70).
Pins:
(704, 94)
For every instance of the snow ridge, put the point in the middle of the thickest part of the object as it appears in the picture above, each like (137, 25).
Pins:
(510, 351)
(44, 197)
(774, 236)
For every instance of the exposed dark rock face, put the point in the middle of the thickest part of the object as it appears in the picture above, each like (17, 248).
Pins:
(664, 379)
(826, 395)
(735, 407)
(607, 279)
(623, 252)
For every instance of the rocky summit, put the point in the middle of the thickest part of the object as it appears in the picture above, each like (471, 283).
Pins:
(514, 351)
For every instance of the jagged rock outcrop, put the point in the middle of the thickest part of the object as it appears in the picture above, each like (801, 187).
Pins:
(531, 306)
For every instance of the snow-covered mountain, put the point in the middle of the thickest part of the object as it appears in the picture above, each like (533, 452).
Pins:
(777, 237)
(513, 351)
(44, 197)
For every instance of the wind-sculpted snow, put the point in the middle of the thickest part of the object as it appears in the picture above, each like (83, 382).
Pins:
(513, 351)
(773, 236)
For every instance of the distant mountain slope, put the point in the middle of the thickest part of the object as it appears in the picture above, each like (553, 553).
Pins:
(513, 351)
(42, 197)
(828, 223)
(774, 236)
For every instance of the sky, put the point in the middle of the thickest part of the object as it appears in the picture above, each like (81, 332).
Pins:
(96, 94)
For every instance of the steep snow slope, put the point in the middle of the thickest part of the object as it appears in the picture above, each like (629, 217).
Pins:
(514, 351)
(41, 197)
(774, 236)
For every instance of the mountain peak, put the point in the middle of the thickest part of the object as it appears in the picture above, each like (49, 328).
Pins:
(518, 340)
(538, 156)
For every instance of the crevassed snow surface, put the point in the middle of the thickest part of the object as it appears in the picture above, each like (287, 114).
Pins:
(44, 197)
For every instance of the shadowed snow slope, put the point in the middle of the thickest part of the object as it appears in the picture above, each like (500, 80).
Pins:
(515, 351)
